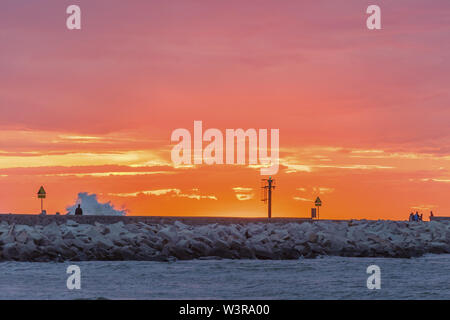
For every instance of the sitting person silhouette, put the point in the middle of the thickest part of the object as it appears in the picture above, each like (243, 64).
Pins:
(79, 211)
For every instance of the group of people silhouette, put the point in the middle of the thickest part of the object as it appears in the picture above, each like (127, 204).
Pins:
(415, 217)
(418, 217)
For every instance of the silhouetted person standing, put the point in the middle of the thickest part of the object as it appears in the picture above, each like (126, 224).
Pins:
(79, 211)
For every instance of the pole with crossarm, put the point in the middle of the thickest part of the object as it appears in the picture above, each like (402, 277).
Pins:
(269, 185)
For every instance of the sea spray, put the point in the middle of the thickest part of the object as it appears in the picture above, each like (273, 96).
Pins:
(91, 206)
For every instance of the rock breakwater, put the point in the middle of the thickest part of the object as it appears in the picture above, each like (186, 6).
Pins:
(75, 241)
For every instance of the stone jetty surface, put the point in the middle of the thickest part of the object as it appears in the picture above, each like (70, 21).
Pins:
(69, 238)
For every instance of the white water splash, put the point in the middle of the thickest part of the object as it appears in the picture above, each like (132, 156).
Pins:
(92, 207)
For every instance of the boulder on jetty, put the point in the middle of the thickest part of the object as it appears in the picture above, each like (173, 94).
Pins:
(165, 241)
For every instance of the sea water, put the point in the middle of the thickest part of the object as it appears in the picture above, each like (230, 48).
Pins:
(426, 277)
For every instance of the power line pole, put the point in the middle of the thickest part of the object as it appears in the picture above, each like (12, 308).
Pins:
(267, 186)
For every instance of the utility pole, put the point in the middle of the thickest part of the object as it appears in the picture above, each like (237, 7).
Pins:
(267, 186)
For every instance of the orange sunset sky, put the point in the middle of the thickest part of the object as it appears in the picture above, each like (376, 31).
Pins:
(363, 115)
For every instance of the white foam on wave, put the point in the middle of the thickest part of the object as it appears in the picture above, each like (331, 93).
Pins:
(91, 206)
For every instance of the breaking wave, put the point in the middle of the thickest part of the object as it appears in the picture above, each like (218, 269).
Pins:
(92, 207)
